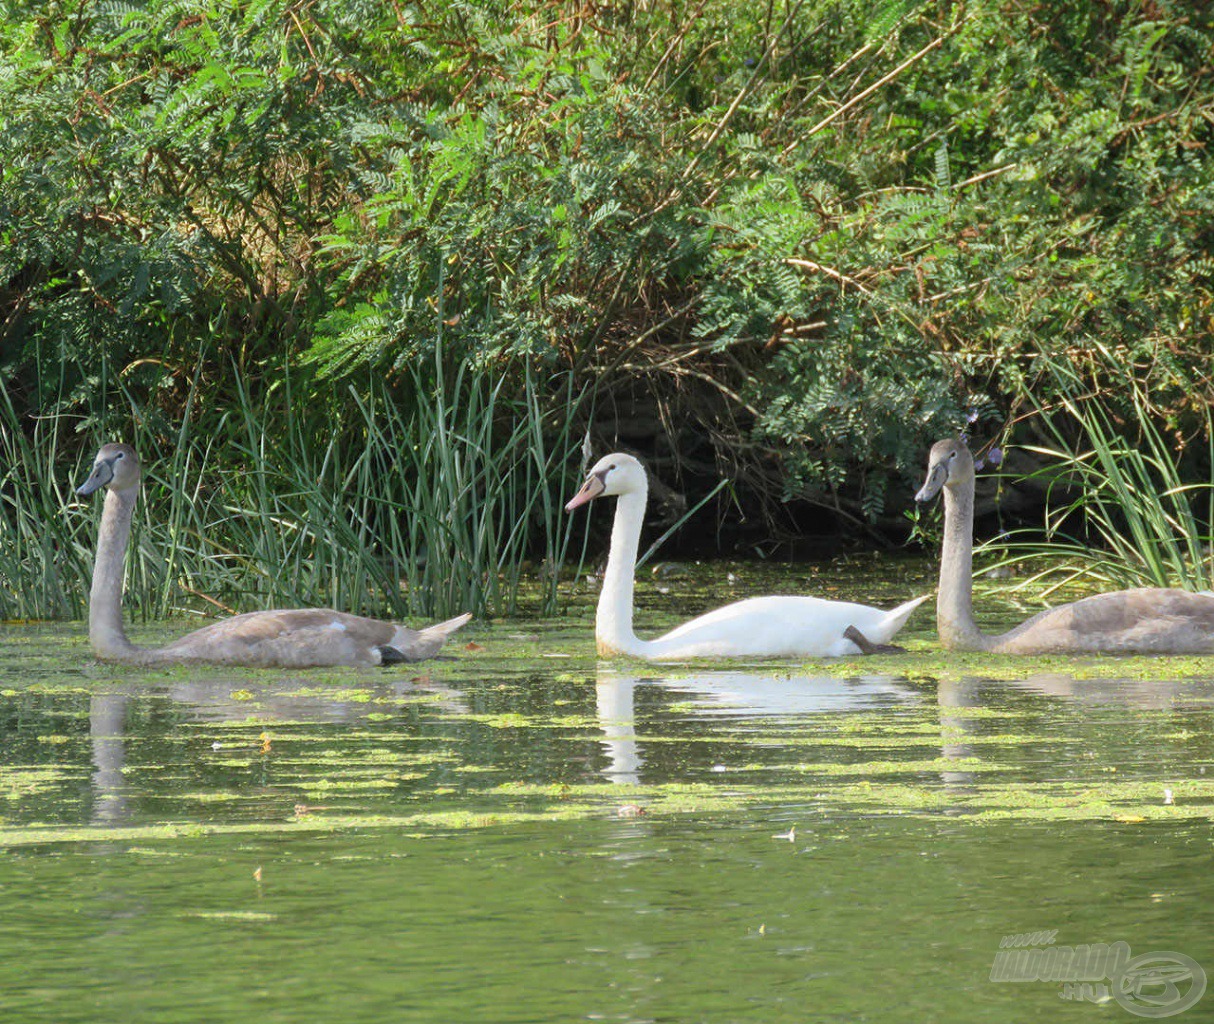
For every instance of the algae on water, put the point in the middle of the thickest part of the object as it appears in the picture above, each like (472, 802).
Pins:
(502, 735)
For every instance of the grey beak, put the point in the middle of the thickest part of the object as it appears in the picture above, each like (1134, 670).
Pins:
(103, 473)
(935, 480)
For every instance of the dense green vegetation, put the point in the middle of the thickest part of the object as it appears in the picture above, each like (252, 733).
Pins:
(789, 242)
(1120, 510)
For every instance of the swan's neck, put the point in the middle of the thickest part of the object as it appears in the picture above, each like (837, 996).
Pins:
(955, 599)
(613, 622)
(105, 599)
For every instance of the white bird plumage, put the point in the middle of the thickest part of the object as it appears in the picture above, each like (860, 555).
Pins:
(785, 626)
(294, 638)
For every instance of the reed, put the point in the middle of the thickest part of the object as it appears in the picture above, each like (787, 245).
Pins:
(43, 554)
(428, 506)
(1120, 512)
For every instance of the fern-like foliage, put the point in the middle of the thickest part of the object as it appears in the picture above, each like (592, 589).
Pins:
(853, 222)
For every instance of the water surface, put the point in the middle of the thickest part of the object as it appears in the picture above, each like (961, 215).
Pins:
(523, 833)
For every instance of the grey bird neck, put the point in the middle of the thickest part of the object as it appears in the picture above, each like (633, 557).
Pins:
(954, 602)
(106, 634)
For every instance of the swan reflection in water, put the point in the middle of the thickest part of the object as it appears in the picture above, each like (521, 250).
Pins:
(732, 693)
(215, 697)
(740, 694)
(1143, 694)
(957, 696)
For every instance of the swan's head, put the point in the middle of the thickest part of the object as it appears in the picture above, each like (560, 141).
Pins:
(116, 467)
(949, 464)
(612, 474)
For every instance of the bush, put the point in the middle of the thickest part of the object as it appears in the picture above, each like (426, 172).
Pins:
(791, 242)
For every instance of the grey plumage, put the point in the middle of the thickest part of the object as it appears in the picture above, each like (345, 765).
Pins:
(288, 638)
(1146, 620)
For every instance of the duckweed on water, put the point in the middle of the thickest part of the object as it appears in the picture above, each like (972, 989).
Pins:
(20, 781)
(851, 835)
(925, 662)
(502, 735)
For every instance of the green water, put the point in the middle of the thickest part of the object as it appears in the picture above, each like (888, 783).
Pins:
(522, 833)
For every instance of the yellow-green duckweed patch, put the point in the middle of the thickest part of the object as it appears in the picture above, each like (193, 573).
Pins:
(617, 840)
(526, 724)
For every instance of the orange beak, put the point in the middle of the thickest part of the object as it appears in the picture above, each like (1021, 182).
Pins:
(591, 489)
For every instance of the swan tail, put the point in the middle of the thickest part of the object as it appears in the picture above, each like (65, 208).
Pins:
(442, 630)
(895, 618)
(419, 644)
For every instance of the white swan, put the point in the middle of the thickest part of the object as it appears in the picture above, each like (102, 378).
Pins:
(756, 627)
(298, 638)
(1146, 620)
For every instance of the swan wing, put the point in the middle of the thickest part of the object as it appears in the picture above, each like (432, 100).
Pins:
(1145, 620)
(781, 626)
(296, 638)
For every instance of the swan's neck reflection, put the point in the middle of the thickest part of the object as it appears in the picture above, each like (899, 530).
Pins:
(614, 703)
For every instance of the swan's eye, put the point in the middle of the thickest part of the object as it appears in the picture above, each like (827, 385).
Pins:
(611, 467)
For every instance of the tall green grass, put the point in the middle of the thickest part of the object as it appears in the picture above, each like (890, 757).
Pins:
(427, 505)
(1119, 511)
(44, 554)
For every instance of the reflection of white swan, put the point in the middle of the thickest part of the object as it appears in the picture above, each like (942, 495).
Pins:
(716, 693)
(785, 626)
(752, 694)
(614, 704)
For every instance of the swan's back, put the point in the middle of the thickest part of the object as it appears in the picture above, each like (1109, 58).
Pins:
(782, 626)
(1147, 620)
(306, 638)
